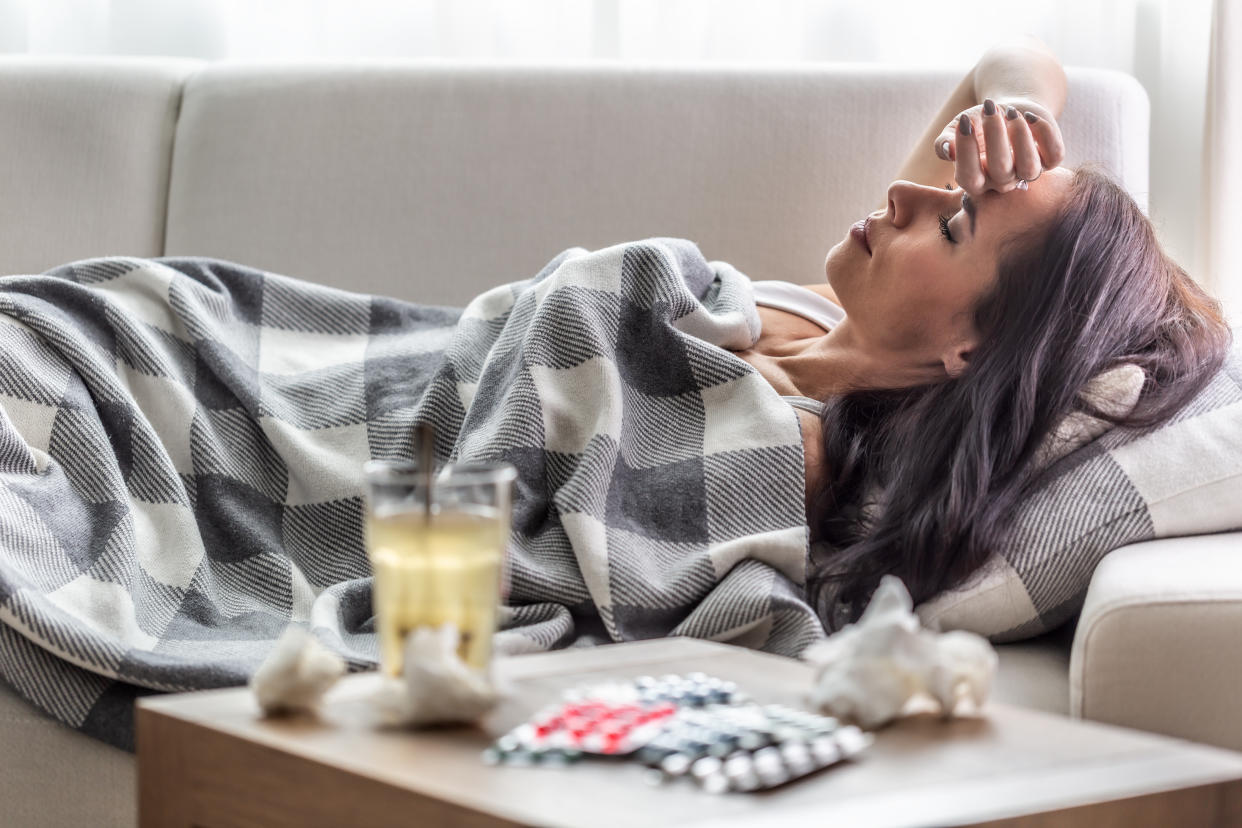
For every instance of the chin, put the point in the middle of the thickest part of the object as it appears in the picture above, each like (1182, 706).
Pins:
(836, 263)
(839, 270)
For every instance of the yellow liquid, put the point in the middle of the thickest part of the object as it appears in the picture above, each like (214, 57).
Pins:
(429, 575)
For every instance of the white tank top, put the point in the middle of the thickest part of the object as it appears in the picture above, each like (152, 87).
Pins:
(786, 296)
(805, 302)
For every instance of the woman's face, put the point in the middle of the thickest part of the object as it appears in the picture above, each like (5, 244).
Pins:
(911, 297)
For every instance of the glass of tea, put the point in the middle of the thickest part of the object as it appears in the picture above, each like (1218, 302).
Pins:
(438, 553)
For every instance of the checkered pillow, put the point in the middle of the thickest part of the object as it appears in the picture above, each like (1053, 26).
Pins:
(1122, 487)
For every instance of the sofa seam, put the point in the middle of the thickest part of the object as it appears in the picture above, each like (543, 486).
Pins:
(175, 128)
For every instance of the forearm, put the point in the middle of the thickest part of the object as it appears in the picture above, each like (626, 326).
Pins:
(1024, 74)
(1023, 70)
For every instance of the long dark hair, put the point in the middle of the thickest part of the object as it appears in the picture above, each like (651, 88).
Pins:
(920, 481)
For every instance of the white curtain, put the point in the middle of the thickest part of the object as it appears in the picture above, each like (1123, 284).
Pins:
(1164, 43)
(922, 32)
(1221, 230)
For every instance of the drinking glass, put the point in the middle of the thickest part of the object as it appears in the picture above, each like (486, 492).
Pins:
(440, 558)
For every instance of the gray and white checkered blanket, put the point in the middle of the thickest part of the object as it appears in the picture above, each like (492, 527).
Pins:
(181, 443)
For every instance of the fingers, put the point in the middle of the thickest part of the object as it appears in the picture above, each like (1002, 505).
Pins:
(996, 140)
(969, 168)
(999, 148)
(1048, 137)
(1026, 161)
(943, 145)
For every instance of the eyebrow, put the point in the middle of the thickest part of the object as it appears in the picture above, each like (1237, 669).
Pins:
(968, 205)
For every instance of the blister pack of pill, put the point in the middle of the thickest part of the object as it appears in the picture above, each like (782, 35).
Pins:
(695, 726)
(590, 725)
(747, 747)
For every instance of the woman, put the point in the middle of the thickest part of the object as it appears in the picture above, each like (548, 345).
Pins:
(957, 327)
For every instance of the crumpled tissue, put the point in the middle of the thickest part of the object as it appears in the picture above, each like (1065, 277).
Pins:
(295, 674)
(436, 686)
(869, 670)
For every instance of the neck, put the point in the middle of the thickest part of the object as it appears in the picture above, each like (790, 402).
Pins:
(841, 361)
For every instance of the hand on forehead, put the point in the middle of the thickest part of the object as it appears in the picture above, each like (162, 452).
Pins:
(1001, 147)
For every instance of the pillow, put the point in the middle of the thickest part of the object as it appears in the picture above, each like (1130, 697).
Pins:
(1114, 392)
(1107, 487)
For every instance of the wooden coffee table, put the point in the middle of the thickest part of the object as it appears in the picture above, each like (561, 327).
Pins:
(208, 759)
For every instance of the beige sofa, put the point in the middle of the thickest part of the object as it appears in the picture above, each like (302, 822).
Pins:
(433, 181)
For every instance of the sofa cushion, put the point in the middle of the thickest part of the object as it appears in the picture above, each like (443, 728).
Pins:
(1034, 673)
(41, 761)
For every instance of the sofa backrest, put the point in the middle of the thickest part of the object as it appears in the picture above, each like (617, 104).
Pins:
(85, 150)
(431, 180)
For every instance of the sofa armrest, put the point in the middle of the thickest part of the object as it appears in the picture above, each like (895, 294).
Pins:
(1158, 645)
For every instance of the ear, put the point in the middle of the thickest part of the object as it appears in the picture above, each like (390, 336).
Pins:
(956, 359)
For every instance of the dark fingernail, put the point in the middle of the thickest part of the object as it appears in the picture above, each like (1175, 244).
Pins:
(1031, 117)
(989, 108)
(963, 125)
(1011, 113)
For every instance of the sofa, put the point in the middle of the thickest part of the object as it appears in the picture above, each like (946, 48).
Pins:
(432, 180)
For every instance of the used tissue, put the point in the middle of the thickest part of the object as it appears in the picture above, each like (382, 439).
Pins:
(869, 670)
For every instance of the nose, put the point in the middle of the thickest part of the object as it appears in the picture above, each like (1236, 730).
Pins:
(907, 199)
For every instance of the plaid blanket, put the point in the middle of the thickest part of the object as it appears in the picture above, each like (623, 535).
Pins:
(181, 443)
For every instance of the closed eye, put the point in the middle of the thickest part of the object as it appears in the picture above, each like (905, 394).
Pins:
(944, 229)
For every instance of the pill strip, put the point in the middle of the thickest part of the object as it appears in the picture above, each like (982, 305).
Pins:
(695, 726)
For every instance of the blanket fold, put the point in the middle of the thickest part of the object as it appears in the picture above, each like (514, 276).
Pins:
(181, 442)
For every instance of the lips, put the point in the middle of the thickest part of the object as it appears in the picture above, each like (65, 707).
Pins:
(861, 231)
